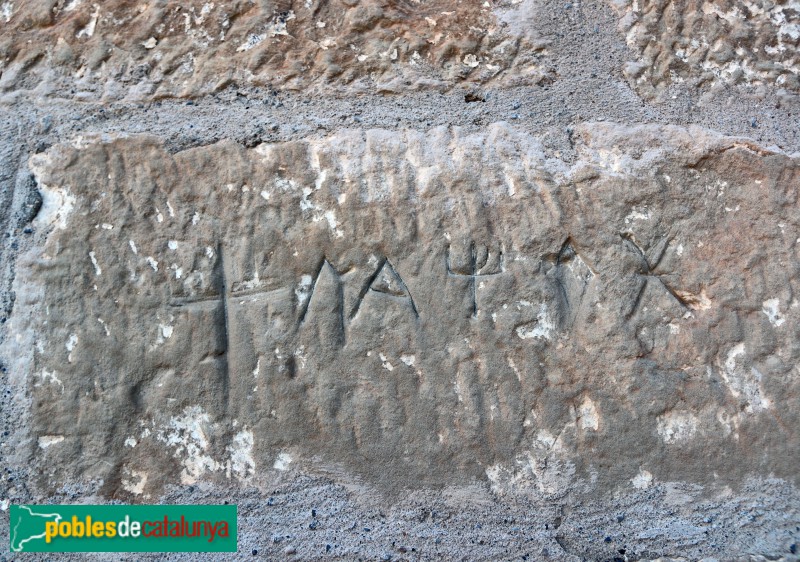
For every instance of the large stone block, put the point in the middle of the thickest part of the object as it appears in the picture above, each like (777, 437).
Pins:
(415, 308)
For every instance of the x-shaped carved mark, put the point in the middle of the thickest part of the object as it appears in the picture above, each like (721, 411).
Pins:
(647, 270)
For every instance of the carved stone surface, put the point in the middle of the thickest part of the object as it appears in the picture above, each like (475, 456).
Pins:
(408, 279)
(712, 44)
(419, 308)
(113, 50)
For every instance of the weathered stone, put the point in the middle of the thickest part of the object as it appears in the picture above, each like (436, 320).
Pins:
(163, 49)
(711, 44)
(420, 308)
(169, 48)
(425, 280)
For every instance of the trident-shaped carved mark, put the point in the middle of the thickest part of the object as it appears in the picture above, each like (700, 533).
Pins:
(647, 270)
(474, 271)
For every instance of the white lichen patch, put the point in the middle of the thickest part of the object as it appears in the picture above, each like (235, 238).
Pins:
(638, 215)
(544, 469)
(546, 439)
(321, 177)
(50, 377)
(88, 31)
(57, 202)
(134, 481)
(6, 11)
(242, 463)
(514, 368)
(542, 328)
(588, 415)
(187, 434)
(471, 61)
(303, 290)
(97, 271)
(305, 204)
(676, 427)
(327, 43)
(333, 224)
(282, 461)
(771, 308)
(274, 29)
(744, 383)
(318, 214)
(166, 331)
(72, 342)
(46, 441)
(385, 362)
(643, 480)
(249, 284)
(300, 353)
(408, 360)
(729, 423)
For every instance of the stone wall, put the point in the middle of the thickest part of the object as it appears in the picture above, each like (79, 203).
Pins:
(492, 280)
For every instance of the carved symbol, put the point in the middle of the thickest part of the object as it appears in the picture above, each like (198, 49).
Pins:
(385, 280)
(219, 296)
(572, 275)
(222, 291)
(221, 299)
(647, 270)
(337, 308)
(474, 271)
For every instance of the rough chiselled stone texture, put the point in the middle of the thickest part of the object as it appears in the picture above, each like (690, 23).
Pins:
(712, 44)
(113, 50)
(117, 51)
(417, 308)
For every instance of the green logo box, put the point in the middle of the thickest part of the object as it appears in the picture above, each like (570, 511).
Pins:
(122, 528)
